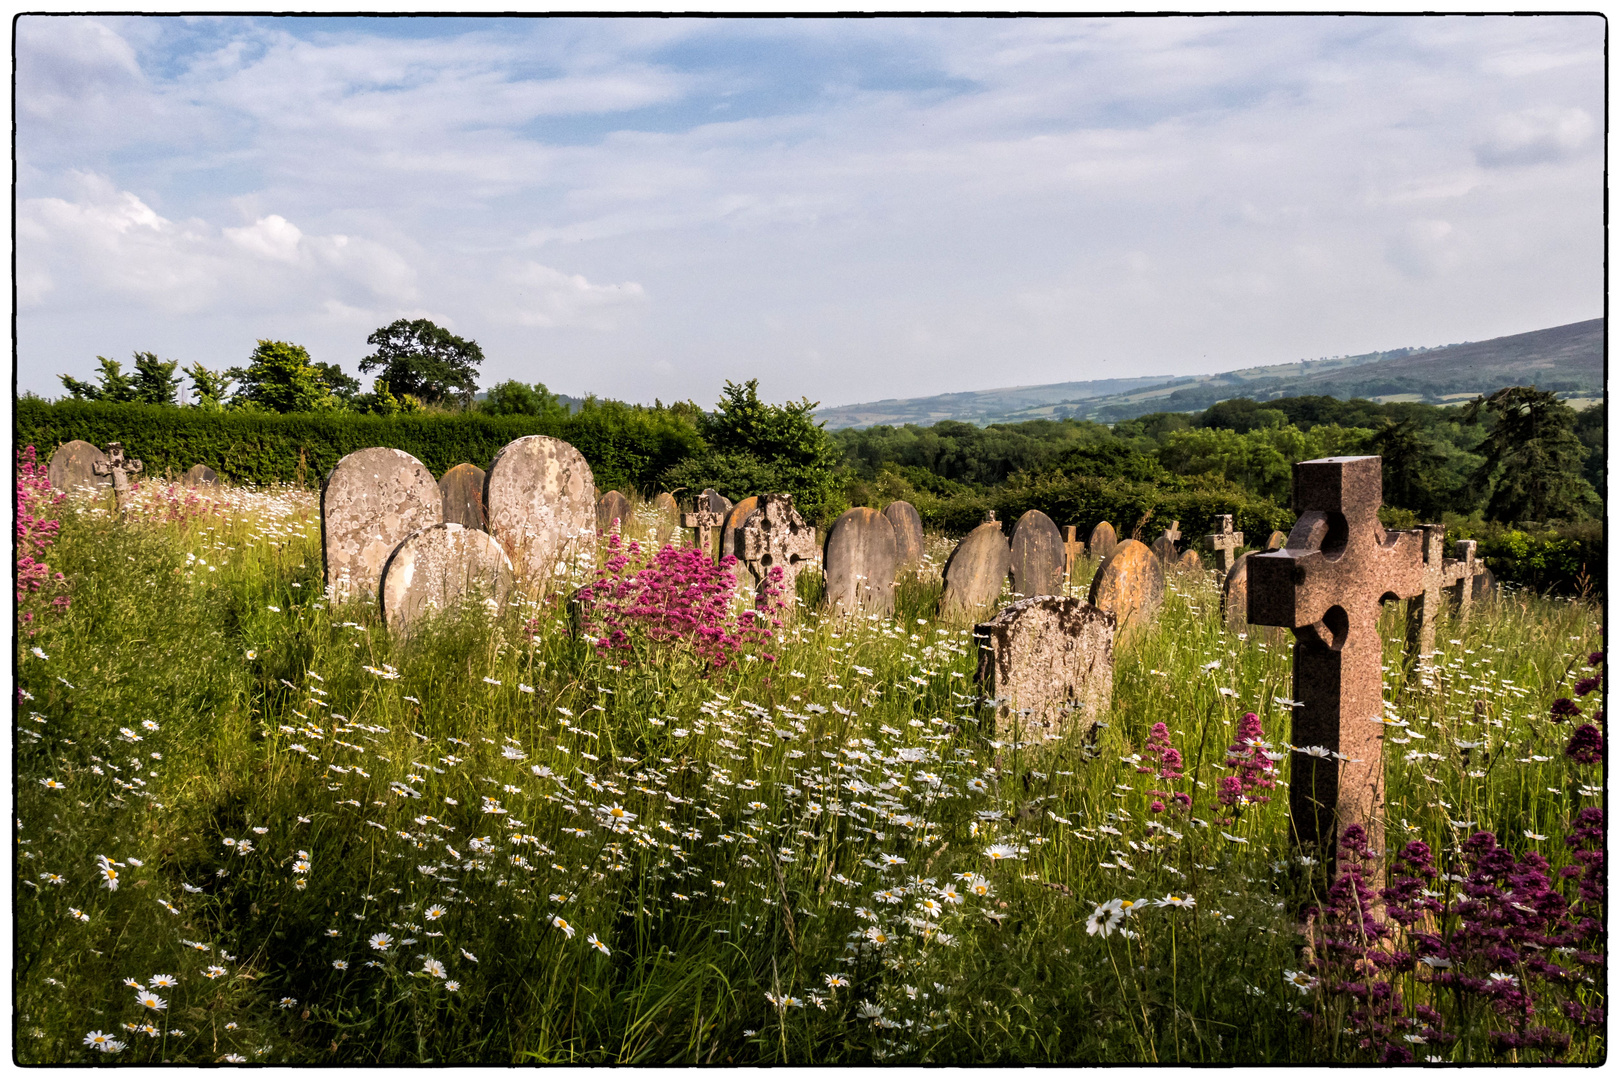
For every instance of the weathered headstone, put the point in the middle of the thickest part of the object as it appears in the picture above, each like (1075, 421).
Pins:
(716, 502)
(370, 501)
(120, 469)
(1165, 546)
(860, 560)
(1466, 581)
(435, 568)
(730, 539)
(73, 466)
(540, 503)
(1037, 556)
(667, 518)
(1484, 585)
(1224, 543)
(1048, 661)
(462, 492)
(1129, 583)
(1103, 541)
(1277, 540)
(1327, 585)
(703, 524)
(1423, 609)
(199, 476)
(1074, 549)
(908, 531)
(1190, 562)
(776, 535)
(612, 513)
(1235, 595)
(976, 570)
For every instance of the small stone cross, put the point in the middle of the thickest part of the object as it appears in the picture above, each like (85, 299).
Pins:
(1423, 609)
(1327, 586)
(120, 469)
(989, 515)
(1174, 531)
(1462, 573)
(704, 522)
(1074, 549)
(1225, 544)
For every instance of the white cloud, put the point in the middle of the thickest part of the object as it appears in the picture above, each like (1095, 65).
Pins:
(1535, 136)
(536, 295)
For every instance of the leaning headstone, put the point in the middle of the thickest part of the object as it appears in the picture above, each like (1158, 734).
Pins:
(73, 466)
(716, 502)
(1165, 546)
(370, 501)
(1048, 662)
(612, 513)
(908, 531)
(1129, 583)
(199, 475)
(1037, 556)
(860, 560)
(120, 469)
(1190, 562)
(540, 502)
(776, 535)
(667, 518)
(1277, 540)
(462, 490)
(1074, 549)
(1327, 585)
(976, 571)
(1103, 541)
(729, 541)
(435, 568)
(1224, 543)
(1235, 595)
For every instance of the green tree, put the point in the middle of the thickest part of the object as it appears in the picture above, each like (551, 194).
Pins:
(111, 384)
(280, 378)
(208, 388)
(426, 361)
(1414, 468)
(513, 398)
(1533, 458)
(340, 382)
(751, 441)
(155, 380)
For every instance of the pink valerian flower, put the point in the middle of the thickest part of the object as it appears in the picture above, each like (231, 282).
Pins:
(1167, 766)
(37, 530)
(1254, 768)
(1585, 745)
(1564, 709)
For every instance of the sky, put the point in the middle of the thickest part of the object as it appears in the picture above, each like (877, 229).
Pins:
(845, 209)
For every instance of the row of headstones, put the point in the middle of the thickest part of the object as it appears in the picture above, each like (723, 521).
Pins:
(79, 464)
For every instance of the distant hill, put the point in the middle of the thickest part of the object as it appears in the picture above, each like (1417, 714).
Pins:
(1567, 359)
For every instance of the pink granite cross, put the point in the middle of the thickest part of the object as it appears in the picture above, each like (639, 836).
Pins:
(1327, 585)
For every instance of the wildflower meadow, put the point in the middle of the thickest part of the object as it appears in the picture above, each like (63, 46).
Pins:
(627, 819)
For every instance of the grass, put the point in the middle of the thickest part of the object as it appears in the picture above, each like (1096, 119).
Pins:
(275, 782)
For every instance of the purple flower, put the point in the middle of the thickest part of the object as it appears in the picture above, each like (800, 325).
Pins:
(1564, 709)
(1585, 746)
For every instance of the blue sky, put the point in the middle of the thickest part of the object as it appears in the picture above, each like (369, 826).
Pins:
(845, 209)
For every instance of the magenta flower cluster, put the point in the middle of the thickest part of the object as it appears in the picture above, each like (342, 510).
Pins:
(1253, 768)
(1167, 766)
(37, 529)
(1586, 743)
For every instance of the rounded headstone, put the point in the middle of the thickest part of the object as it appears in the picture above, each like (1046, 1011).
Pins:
(1484, 585)
(199, 475)
(908, 531)
(717, 503)
(370, 501)
(976, 571)
(462, 489)
(1037, 556)
(73, 466)
(1103, 541)
(1277, 540)
(668, 519)
(610, 508)
(1190, 560)
(728, 541)
(435, 568)
(860, 560)
(1235, 595)
(1130, 583)
(1165, 549)
(539, 501)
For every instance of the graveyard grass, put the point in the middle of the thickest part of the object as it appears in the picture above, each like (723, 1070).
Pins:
(482, 845)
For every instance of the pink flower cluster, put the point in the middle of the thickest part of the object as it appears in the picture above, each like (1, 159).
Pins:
(1586, 744)
(36, 532)
(678, 598)
(1254, 768)
(1167, 766)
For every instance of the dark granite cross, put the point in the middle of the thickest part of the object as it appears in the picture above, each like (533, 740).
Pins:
(704, 522)
(1074, 549)
(1327, 585)
(1225, 544)
(120, 469)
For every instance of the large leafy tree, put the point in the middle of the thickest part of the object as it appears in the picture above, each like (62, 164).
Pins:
(155, 380)
(280, 378)
(1533, 458)
(513, 398)
(423, 360)
(208, 388)
(1415, 471)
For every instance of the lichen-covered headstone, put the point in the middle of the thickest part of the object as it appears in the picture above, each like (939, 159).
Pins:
(976, 571)
(540, 502)
(74, 466)
(370, 501)
(435, 568)
(908, 531)
(667, 518)
(861, 559)
(773, 536)
(462, 489)
(1190, 562)
(612, 513)
(1048, 661)
(199, 476)
(1103, 541)
(1036, 556)
(1130, 583)
(1165, 548)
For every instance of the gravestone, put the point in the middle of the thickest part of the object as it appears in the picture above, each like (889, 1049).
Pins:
(908, 531)
(1423, 609)
(1235, 595)
(730, 539)
(1165, 546)
(1074, 549)
(73, 466)
(435, 568)
(1484, 585)
(1048, 662)
(860, 560)
(1103, 541)
(370, 501)
(704, 523)
(1277, 540)
(976, 570)
(1037, 556)
(120, 469)
(1327, 585)
(199, 476)
(716, 502)
(1224, 543)
(1190, 562)
(1468, 578)
(612, 513)
(1130, 584)
(540, 503)
(776, 535)
(462, 492)
(666, 518)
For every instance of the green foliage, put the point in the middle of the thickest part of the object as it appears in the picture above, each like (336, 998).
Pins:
(111, 384)
(965, 453)
(155, 380)
(424, 360)
(280, 378)
(513, 398)
(1570, 558)
(208, 388)
(1533, 458)
(1590, 428)
(752, 438)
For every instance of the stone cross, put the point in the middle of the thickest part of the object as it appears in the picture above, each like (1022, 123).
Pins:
(120, 469)
(1423, 609)
(777, 535)
(704, 522)
(1074, 549)
(1225, 544)
(1327, 585)
(1467, 569)
(1174, 531)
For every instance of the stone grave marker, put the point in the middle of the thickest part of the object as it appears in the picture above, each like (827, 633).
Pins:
(1130, 584)
(1103, 541)
(1224, 543)
(703, 524)
(1423, 609)
(1190, 562)
(73, 466)
(370, 501)
(861, 559)
(199, 476)
(1327, 585)
(775, 535)
(1165, 546)
(435, 568)
(612, 514)
(1074, 549)
(667, 518)
(716, 502)
(120, 469)
(1468, 577)
(976, 570)
(1037, 556)
(1277, 540)
(540, 503)
(730, 539)
(462, 491)
(908, 531)
(1048, 662)
(1235, 595)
